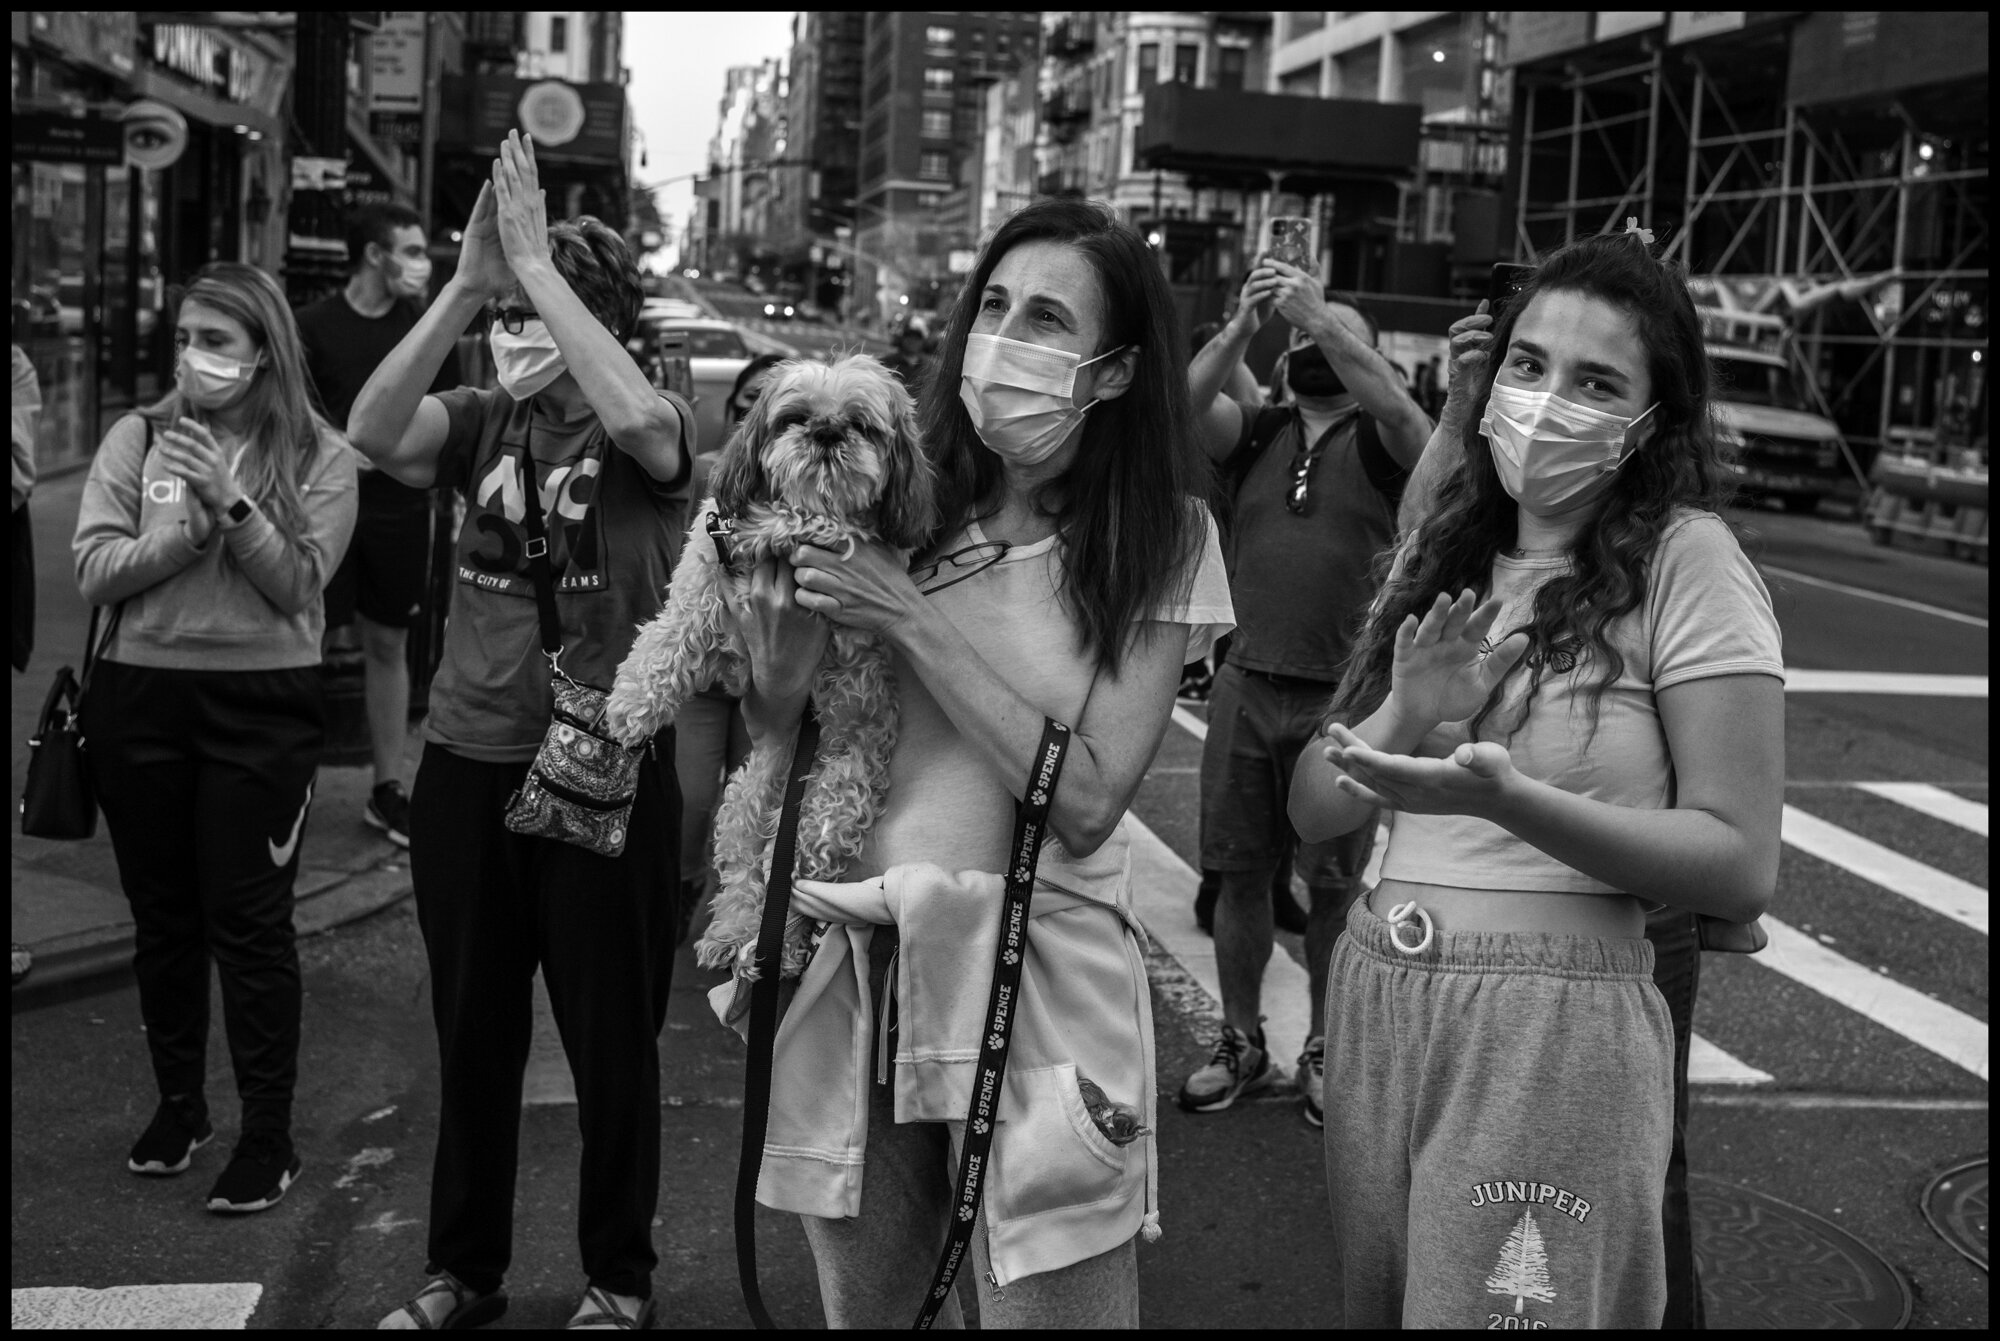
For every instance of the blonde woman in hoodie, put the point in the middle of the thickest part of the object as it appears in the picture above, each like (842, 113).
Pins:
(209, 526)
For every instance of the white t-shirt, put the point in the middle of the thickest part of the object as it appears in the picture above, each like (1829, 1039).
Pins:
(946, 804)
(1706, 613)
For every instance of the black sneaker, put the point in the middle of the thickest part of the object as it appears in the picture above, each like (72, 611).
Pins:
(263, 1166)
(179, 1128)
(388, 809)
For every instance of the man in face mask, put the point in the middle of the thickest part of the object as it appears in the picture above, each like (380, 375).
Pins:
(380, 584)
(1312, 485)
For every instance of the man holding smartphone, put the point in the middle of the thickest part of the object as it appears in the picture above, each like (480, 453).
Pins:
(1314, 485)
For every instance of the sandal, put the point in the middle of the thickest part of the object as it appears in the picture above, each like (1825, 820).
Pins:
(467, 1309)
(605, 1315)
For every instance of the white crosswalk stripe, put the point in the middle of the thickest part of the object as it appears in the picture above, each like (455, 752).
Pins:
(1960, 900)
(1931, 1025)
(221, 1307)
(1933, 801)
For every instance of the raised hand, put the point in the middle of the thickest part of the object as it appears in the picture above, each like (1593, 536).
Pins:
(1473, 781)
(524, 218)
(482, 260)
(1471, 348)
(1255, 304)
(1299, 297)
(1443, 671)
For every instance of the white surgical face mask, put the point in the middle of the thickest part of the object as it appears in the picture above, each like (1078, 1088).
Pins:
(527, 362)
(1553, 453)
(409, 277)
(1018, 395)
(213, 380)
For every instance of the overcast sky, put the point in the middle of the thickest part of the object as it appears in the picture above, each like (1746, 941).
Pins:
(677, 62)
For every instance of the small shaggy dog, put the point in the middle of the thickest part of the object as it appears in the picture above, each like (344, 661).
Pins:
(830, 455)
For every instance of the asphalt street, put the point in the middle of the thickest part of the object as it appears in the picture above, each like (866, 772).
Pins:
(1844, 1069)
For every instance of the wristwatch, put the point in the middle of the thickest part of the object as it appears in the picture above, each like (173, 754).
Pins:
(239, 511)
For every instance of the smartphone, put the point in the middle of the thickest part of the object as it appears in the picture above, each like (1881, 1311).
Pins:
(1508, 280)
(1289, 238)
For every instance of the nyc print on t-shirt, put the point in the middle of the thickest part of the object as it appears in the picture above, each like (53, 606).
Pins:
(493, 548)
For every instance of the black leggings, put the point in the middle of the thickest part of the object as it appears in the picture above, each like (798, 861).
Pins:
(205, 778)
(494, 905)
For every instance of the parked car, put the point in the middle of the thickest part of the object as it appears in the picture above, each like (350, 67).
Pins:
(1779, 448)
(717, 351)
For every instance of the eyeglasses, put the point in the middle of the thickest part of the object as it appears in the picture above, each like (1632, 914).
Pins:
(1302, 467)
(965, 563)
(512, 319)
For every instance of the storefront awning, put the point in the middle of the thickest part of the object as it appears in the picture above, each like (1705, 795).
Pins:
(1242, 138)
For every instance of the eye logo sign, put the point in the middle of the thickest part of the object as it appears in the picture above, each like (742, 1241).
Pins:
(156, 135)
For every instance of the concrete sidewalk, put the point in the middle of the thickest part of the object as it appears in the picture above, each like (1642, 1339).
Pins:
(67, 906)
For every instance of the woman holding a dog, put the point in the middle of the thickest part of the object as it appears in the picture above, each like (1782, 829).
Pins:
(1071, 579)
(577, 434)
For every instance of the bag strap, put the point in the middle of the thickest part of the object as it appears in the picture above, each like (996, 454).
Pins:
(1030, 826)
(539, 568)
(764, 1016)
(93, 647)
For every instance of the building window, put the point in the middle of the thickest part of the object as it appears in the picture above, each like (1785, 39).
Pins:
(937, 36)
(1149, 64)
(928, 200)
(937, 79)
(1187, 59)
(1302, 82)
(1358, 74)
(934, 165)
(1229, 66)
(558, 33)
(937, 124)
(1305, 22)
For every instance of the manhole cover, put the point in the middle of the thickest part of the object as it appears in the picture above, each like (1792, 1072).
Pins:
(1767, 1264)
(1955, 1204)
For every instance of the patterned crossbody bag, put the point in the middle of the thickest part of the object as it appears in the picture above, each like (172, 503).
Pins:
(580, 787)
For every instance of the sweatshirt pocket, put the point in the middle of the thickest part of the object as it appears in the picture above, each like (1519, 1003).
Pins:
(1047, 1153)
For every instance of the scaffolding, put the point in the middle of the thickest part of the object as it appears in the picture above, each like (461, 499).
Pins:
(1861, 225)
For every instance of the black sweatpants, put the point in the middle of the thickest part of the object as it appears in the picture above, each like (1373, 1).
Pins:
(494, 905)
(205, 779)
(1677, 973)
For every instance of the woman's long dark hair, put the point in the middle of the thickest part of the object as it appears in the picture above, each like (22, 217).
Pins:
(1129, 534)
(1678, 467)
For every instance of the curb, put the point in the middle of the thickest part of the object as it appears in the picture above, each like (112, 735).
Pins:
(89, 958)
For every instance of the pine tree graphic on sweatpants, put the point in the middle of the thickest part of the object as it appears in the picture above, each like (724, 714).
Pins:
(1523, 1268)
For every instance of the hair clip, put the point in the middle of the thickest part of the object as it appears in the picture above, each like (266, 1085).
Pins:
(1632, 229)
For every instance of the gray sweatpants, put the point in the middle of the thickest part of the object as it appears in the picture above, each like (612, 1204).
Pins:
(1499, 1111)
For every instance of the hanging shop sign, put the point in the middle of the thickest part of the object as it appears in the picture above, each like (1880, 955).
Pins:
(154, 134)
(219, 65)
(53, 137)
(396, 63)
(575, 121)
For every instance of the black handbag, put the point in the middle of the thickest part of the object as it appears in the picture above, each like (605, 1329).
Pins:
(56, 800)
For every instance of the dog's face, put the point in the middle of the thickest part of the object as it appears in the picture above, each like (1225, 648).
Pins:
(837, 439)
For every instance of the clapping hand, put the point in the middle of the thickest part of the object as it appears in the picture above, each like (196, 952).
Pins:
(482, 260)
(1471, 782)
(524, 218)
(191, 453)
(1443, 670)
